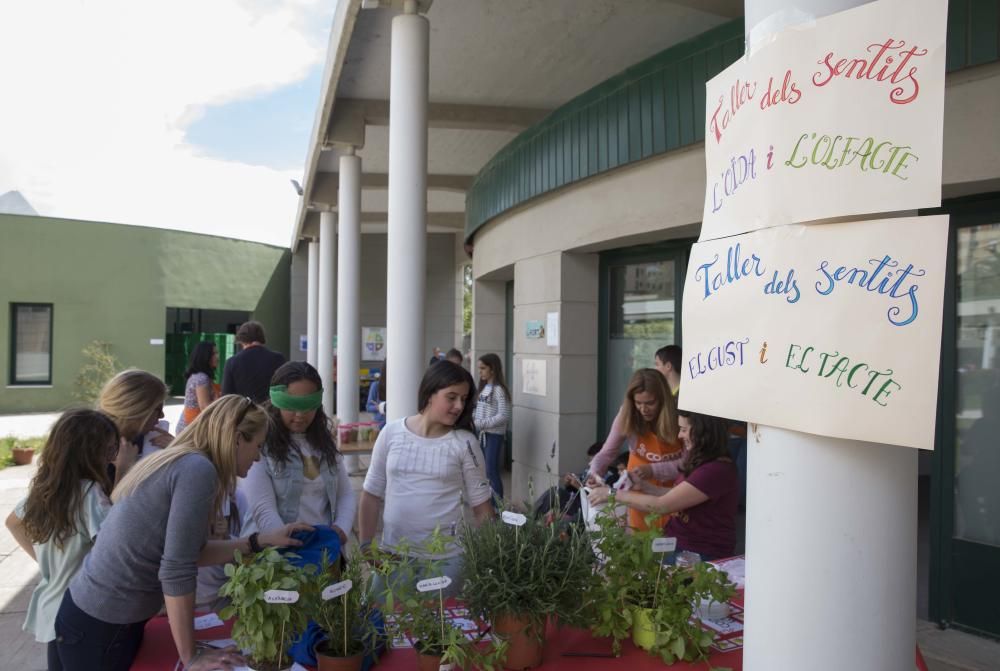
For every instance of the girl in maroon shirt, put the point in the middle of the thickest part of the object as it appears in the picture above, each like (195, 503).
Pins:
(704, 500)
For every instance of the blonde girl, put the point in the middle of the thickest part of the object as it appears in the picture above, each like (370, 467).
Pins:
(155, 537)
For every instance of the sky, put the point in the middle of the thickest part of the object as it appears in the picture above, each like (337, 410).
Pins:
(190, 115)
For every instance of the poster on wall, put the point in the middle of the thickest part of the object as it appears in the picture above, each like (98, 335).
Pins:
(373, 343)
(828, 329)
(837, 117)
(533, 376)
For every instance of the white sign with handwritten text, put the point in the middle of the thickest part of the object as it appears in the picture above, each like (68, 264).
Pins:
(828, 329)
(431, 584)
(337, 589)
(281, 596)
(516, 519)
(838, 117)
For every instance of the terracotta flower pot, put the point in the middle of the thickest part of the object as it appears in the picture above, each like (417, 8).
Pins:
(327, 662)
(524, 644)
(22, 455)
(432, 663)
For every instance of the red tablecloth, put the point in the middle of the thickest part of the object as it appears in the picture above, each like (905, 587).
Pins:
(158, 652)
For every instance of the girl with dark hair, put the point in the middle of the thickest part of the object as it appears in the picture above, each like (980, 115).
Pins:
(302, 476)
(491, 417)
(57, 523)
(426, 471)
(199, 390)
(706, 498)
(377, 394)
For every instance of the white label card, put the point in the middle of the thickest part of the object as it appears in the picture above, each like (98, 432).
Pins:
(207, 621)
(281, 596)
(431, 584)
(664, 544)
(337, 589)
(517, 519)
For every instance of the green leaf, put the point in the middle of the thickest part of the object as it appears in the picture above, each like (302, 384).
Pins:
(678, 647)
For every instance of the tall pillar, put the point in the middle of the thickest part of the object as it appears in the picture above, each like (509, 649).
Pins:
(349, 293)
(327, 296)
(312, 303)
(406, 356)
(831, 546)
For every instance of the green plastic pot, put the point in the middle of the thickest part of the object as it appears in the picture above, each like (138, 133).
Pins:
(643, 633)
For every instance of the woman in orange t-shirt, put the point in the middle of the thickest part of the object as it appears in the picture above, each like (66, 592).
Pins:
(650, 428)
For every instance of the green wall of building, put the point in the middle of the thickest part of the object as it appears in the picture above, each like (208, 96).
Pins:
(113, 283)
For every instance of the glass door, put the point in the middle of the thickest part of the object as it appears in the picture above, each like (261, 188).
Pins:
(966, 525)
(640, 313)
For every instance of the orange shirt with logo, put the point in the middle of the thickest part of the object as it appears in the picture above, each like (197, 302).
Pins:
(648, 449)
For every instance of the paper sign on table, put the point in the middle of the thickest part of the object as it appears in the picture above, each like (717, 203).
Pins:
(829, 329)
(207, 621)
(221, 643)
(841, 116)
(431, 584)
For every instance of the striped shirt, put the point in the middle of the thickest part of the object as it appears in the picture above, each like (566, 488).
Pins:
(492, 411)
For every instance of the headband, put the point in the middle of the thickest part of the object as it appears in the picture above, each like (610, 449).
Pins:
(280, 398)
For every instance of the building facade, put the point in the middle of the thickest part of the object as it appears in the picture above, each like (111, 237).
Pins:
(69, 283)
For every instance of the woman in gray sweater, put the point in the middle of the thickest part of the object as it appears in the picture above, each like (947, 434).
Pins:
(154, 538)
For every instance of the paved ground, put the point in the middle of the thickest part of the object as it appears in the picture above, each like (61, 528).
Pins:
(944, 650)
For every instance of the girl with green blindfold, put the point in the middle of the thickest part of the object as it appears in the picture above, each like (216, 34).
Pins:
(301, 476)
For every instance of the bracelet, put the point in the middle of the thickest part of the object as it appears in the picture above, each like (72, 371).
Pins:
(254, 545)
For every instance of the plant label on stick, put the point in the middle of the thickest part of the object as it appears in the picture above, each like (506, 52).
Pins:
(664, 544)
(431, 584)
(517, 519)
(337, 589)
(446, 667)
(281, 596)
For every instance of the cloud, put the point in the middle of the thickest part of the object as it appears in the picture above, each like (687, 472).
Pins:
(97, 96)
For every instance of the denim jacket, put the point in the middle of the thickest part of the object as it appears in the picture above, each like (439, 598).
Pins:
(287, 479)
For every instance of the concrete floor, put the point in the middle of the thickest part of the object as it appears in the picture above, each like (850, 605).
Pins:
(943, 650)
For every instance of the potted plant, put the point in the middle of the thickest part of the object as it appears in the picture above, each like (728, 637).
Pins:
(264, 598)
(342, 607)
(22, 454)
(519, 571)
(414, 602)
(653, 602)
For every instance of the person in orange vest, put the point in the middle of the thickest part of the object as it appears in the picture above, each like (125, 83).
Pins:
(649, 423)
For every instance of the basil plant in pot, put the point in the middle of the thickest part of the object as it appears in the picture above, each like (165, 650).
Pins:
(655, 603)
(341, 604)
(415, 608)
(519, 571)
(264, 594)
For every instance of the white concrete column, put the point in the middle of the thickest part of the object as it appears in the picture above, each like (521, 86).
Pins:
(406, 355)
(349, 293)
(327, 296)
(831, 553)
(312, 303)
(831, 524)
